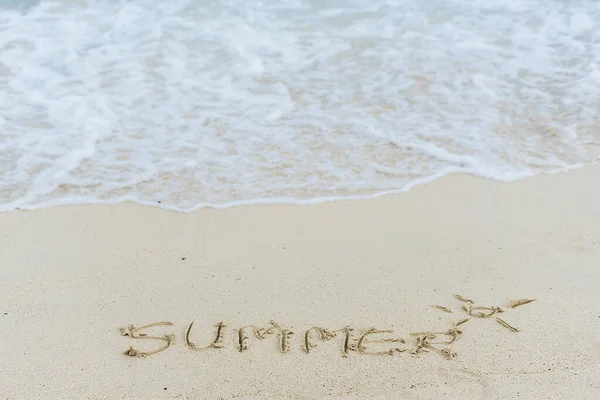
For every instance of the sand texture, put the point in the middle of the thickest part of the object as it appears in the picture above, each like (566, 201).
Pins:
(449, 267)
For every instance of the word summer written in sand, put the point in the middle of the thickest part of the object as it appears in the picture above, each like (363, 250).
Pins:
(368, 341)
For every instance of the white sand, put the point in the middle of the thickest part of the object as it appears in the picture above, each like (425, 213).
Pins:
(71, 277)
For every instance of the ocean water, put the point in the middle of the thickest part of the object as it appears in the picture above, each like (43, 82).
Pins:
(195, 103)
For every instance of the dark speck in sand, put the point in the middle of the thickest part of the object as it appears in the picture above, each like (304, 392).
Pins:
(182, 258)
(7, 314)
(165, 388)
(160, 202)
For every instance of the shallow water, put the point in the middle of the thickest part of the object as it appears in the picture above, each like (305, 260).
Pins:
(195, 103)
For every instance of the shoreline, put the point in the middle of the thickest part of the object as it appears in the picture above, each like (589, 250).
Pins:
(290, 201)
(74, 276)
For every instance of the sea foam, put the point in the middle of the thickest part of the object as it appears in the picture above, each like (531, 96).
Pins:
(215, 103)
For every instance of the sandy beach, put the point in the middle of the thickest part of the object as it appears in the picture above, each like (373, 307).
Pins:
(72, 277)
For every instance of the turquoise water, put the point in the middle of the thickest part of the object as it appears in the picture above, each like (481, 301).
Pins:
(196, 103)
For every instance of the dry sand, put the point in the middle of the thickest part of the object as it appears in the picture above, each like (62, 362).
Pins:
(71, 277)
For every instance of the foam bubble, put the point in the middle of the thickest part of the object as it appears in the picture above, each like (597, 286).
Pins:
(213, 104)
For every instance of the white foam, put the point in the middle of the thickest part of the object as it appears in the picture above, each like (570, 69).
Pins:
(198, 104)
